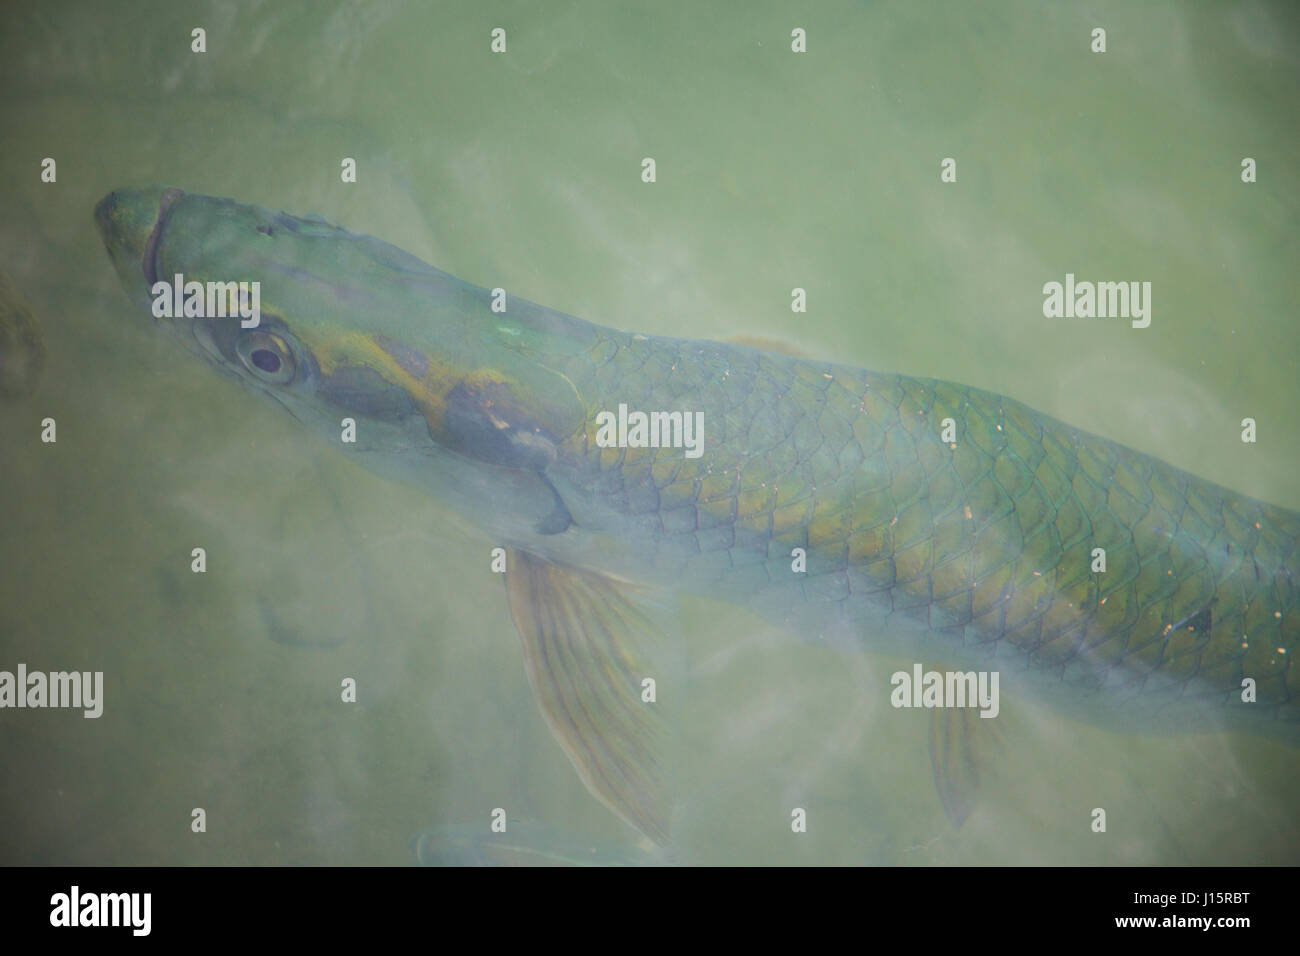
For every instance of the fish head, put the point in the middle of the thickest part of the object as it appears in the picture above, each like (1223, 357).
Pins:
(350, 328)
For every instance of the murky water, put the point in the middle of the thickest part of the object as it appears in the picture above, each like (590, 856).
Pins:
(522, 170)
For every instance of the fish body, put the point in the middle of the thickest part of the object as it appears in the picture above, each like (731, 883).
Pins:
(977, 552)
(936, 520)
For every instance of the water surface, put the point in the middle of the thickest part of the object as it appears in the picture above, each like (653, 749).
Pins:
(522, 170)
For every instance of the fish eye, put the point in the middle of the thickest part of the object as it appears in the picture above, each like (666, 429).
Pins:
(267, 356)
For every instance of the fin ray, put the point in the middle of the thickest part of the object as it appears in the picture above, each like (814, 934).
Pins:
(588, 641)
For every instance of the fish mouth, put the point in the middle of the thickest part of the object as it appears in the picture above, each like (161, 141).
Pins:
(149, 260)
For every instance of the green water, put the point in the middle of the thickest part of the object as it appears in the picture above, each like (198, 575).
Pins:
(522, 170)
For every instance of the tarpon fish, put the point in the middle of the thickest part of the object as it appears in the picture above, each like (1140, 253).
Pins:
(830, 499)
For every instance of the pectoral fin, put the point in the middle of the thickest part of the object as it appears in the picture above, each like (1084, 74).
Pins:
(589, 642)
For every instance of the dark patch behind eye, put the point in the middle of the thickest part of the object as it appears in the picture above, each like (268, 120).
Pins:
(360, 389)
(408, 359)
(483, 423)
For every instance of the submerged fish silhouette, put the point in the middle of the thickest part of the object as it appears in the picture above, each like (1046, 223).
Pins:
(973, 553)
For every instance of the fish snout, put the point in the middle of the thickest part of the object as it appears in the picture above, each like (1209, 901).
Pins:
(130, 222)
